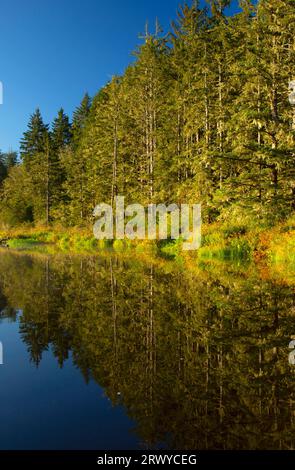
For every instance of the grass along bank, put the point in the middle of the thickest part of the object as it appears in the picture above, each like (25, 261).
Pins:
(219, 241)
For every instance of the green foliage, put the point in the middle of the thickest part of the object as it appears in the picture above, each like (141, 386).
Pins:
(22, 242)
(202, 115)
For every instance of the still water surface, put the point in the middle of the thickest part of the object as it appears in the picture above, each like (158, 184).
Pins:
(105, 352)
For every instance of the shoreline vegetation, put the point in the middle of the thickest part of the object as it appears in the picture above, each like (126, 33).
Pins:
(272, 262)
(268, 246)
(201, 116)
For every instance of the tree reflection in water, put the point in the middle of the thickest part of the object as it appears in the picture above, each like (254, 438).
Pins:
(199, 358)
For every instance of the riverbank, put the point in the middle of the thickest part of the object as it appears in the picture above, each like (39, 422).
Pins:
(269, 245)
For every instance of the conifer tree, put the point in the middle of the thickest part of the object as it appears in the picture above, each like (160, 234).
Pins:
(61, 131)
(74, 185)
(10, 158)
(80, 116)
(61, 136)
(33, 139)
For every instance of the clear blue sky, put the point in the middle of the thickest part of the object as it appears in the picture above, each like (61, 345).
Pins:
(53, 51)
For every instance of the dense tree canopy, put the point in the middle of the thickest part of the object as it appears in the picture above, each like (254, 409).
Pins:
(202, 115)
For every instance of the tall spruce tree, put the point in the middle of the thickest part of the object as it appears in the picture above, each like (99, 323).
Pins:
(32, 142)
(61, 136)
(74, 185)
(80, 116)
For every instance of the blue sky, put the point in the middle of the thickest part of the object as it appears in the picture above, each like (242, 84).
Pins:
(53, 51)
